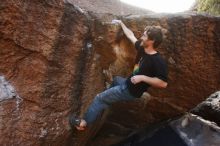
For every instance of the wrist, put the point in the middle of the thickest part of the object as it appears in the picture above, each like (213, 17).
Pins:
(144, 78)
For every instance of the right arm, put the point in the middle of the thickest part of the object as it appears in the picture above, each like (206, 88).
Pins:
(129, 34)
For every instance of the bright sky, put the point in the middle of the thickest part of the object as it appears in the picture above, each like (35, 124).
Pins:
(167, 6)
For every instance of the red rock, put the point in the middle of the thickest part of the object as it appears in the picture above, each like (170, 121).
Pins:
(41, 46)
(45, 54)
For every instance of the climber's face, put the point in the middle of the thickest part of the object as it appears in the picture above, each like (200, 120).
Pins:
(146, 42)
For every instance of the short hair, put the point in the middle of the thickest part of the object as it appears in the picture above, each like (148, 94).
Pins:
(155, 33)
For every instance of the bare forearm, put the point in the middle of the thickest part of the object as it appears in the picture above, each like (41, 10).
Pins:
(153, 81)
(128, 33)
(126, 30)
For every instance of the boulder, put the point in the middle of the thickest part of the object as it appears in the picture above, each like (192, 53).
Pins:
(210, 108)
(56, 56)
(41, 43)
(188, 130)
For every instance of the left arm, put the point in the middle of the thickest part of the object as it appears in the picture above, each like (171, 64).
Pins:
(153, 81)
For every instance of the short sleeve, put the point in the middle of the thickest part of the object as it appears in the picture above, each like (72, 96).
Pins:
(140, 51)
(137, 44)
(160, 69)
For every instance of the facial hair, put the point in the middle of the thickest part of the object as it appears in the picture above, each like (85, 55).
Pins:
(144, 44)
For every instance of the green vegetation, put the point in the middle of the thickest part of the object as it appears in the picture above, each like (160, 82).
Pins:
(210, 6)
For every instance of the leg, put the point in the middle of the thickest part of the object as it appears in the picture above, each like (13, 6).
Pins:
(104, 100)
(117, 80)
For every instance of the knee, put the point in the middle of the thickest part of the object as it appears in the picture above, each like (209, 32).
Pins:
(98, 98)
(101, 99)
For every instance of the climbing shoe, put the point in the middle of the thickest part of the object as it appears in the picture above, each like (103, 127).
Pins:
(74, 121)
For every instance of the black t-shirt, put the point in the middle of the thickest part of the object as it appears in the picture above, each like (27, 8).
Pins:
(152, 65)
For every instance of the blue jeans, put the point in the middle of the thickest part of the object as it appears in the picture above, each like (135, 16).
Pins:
(117, 92)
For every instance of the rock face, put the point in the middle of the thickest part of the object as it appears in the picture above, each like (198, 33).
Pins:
(188, 130)
(210, 108)
(40, 49)
(57, 57)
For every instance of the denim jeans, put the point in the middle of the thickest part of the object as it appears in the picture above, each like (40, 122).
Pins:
(117, 81)
(117, 92)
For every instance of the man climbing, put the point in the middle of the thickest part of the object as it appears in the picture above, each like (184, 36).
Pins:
(150, 70)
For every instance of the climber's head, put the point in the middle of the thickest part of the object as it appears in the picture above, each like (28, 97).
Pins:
(153, 36)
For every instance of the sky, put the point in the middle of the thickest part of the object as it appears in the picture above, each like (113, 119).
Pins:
(160, 6)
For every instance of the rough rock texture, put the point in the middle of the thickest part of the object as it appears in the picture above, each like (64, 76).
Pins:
(210, 108)
(40, 54)
(188, 130)
(58, 57)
